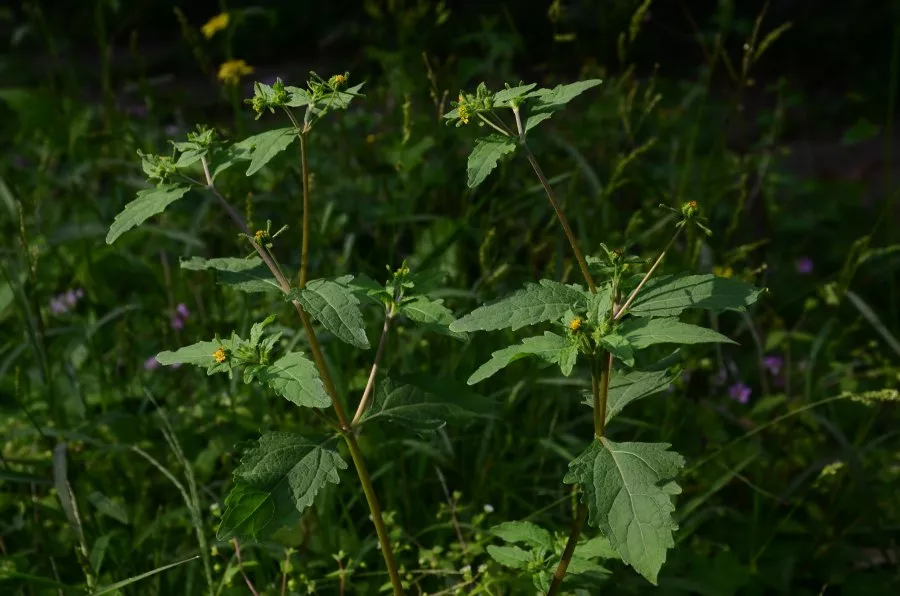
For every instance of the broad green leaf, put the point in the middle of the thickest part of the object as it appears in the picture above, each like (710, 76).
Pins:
(246, 275)
(432, 315)
(223, 159)
(596, 548)
(198, 354)
(510, 556)
(504, 96)
(535, 303)
(340, 100)
(297, 97)
(420, 408)
(550, 348)
(148, 203)
(525, 532)
(628, 489)
(534, 119)
(277, 479)
(267, 145)
(671, 295)
(484, 157)
(644, 332)
(619, 347)
(295, 378)
(599, 306)
(333, 303)
(560, 95)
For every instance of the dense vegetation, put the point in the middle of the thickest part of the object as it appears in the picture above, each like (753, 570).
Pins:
(431, 277)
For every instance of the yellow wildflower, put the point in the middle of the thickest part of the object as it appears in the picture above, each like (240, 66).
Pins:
(575, 324)
(215, 24)
(725, 271)
(232, 71)
(220, 355)
(259, 235)
(337, 81)
(464, 113)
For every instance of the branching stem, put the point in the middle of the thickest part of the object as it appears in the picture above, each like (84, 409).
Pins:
(370, 384)
(634, 293)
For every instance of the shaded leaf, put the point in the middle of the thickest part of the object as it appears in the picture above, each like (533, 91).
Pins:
(277, 479)
(628, 490)
(431, 315)
(198, 354)
(535, 303)
(510, 556)
(550, 348)
(487, 153)
(504, 96)
(148, 203)
(619, 347)
(246, 275)
(267, 145)
(419, 408)
(525, 532)
(671, 295)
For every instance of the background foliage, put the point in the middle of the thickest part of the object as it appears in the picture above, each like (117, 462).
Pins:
(778, 119)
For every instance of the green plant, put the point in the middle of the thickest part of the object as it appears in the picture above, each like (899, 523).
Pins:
(280, 476)
(626, 488)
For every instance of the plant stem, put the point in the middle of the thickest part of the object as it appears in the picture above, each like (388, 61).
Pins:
(304, 254)
(370, 384)
(237, 552)
(600, 398)
(647, 275)
(562, 220)
(322, 367)
(569, 550)
(375, 509)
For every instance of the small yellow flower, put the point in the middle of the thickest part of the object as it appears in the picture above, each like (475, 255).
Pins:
(220, 355)
(725, 271)
(464, 113)
(692, 204)
(232, 71)
(370, 139)
(337, 81)
(215, 24)
(259, 235)
(575, 324)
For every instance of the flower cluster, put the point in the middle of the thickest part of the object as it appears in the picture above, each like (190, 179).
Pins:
(180, 317)
(233, 71)
(215, 24)
(63, 303)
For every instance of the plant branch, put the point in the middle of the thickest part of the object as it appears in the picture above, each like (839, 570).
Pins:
(562, 220)
(370, 384)
(322, 367)
(568, 551)
(237, 553)
(304, 253)
(505, 133)
(643, 281)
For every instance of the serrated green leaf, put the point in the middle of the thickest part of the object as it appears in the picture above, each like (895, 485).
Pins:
(504, 96)
(334, 304)
(148, 203)
(246, 275)
(599, 306)
(628, 489)
(510, 556)
(596, 548)
(535, 303)
(619, 347)
(487, 153)
(632, 386)
(275, 480)
(267, 145)
(421, 407)
(432, 315)
(550, 348)
(525, 532)
(534, 119)
(296, 379)
(198, 354)
(671, 295)
(644, 332)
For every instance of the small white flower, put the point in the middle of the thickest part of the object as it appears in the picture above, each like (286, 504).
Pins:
(488, 508)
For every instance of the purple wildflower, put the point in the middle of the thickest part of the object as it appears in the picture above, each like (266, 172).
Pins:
(151, 363)
(57, 307)
(182, 311)
(177, 323)
(804, 265)
(773, 364)
(740, 393)
(64, 302)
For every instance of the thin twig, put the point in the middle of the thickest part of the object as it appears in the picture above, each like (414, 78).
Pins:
(370, 384)
(647, 275)
(237, 552)
(304, 251)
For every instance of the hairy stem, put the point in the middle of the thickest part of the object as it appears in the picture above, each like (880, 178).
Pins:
(569, 550)
(370, 384)
(319, 359)
(304, 253)
(656, 263)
